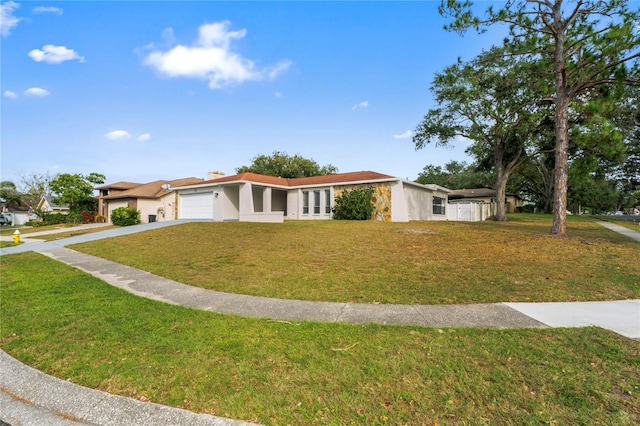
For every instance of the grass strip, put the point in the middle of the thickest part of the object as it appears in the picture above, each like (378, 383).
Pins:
(76, 327)
(404, 263)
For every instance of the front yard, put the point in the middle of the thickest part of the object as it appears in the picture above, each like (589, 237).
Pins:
(76, 327)
(405, 263)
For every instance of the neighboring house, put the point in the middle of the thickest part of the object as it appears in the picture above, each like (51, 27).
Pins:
(250, 197)
(45, 204)
(111, 189)
(154, 200)
(485, 195)
(15, 214)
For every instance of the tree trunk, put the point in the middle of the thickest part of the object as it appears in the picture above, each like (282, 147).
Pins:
(501, 187)
(501, 195)
(561, 174)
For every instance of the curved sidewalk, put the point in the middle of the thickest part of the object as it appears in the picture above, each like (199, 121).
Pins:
(29, 397)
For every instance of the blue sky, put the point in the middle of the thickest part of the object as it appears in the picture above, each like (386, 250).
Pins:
(143, 90)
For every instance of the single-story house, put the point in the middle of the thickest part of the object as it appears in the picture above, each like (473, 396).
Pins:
(253, 197)
(486, 195)
(16, 214)
(154, 200)
(47, 205)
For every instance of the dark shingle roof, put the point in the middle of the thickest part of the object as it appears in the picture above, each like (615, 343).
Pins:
(153, 189)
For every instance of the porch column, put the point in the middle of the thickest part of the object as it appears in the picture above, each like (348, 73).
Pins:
(266, 199)
(246, 199)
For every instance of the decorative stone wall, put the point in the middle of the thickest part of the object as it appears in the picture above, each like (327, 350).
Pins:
(381, 199)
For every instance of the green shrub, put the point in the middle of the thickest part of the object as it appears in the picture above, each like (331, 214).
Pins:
(74, 217)
(354, 204)
(55, 218)
(125, 216)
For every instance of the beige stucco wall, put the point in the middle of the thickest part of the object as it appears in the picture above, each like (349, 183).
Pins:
(381, 199)
(419, 203)
(156, 207)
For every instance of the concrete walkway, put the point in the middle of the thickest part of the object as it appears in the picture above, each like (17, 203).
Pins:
(31, 244)
(634, 235)
(29, 397)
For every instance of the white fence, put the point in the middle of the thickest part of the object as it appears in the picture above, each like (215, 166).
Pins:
(470, 212)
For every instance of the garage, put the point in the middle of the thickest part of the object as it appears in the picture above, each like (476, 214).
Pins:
(196, 206)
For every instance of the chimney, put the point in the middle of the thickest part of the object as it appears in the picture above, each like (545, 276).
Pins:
(214, 174)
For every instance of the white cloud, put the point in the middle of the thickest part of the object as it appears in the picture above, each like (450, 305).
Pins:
(37, 91)
(211, 58)
(404, 135)
(144, 137)
(117, 135)
(9, 94)
(54, 54)
(279, 68)
(363, 105)
(278, 94)
(48, 9)
(7, 20)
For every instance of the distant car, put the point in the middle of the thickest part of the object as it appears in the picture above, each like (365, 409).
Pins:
(6, 219)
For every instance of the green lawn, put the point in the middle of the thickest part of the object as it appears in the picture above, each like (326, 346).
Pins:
(406, 263)
(7, 244)
(76, 327)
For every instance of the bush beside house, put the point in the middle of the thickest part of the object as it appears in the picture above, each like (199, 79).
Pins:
(354, 204)
(125, 216)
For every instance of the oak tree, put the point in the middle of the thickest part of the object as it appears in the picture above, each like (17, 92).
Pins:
(281, 164)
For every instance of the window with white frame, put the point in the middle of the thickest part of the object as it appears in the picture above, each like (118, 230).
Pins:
(316, 202)
(438, 205)
(327, 201)
(305, 202)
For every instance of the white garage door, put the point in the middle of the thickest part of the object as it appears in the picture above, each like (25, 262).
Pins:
(196, 206)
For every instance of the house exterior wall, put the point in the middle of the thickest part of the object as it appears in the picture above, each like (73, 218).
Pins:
(162, 208)
(231, 203)
(381, 198)
(20, 218)
(112, 205)
(419, 203)
(293, 204)
(315, 210)
(45, 206)
(399, 209)
(394, 200)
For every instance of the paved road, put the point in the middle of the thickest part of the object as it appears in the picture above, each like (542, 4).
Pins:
(29, 397)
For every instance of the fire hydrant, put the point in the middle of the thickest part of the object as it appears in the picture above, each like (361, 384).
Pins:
(16, 237)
